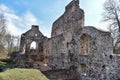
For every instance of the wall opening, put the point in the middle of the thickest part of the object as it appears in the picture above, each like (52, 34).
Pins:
(83, 68)
(24, 49)
(33, 45)
(36, 34)
(84, 44)
(111, 56)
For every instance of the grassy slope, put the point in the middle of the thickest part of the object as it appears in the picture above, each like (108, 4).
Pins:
(22, 74)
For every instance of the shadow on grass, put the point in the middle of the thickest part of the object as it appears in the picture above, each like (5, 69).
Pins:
(6, 64)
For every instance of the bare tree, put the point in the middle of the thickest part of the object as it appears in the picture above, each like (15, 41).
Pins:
(111, 15)
(8, 42)
(17, 43)
(2, 32)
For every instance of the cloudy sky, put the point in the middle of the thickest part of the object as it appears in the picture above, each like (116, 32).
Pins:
(21, 14)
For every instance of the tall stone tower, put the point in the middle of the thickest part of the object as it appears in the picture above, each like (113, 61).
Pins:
(70, 21)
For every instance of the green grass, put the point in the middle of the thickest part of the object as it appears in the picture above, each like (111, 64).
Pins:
(22, 74)
(12, 73)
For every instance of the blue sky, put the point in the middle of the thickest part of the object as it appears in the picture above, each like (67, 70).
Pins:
(21, 14)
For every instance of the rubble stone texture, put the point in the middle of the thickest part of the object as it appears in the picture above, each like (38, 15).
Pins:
(74, 51)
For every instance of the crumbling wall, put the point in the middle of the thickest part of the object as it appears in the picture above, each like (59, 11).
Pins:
(83, 50)
(86, 52)
(57, 51)
(31, 46)
(96, 62)
(71, 20)
(27, 38)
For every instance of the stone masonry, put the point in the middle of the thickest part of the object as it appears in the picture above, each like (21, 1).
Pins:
(74, 51)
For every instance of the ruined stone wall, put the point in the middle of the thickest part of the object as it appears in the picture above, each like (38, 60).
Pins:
(71, 20)
(93, 63)
(83, 50)
(89, 41)
(87, 51)
(33, 35)
(57, 51)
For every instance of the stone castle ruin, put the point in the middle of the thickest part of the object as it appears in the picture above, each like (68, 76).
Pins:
(74, 51)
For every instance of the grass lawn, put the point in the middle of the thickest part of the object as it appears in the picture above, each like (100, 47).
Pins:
(12, 73)
(22, 74)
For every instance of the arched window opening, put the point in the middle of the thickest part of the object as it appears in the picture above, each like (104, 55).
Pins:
(33, 45)
(83, 69)
(84, 44)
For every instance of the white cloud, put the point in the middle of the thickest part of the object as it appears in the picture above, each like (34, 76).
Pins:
(18, 24)
(10, 18)
(4, 8)
(30, 19)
